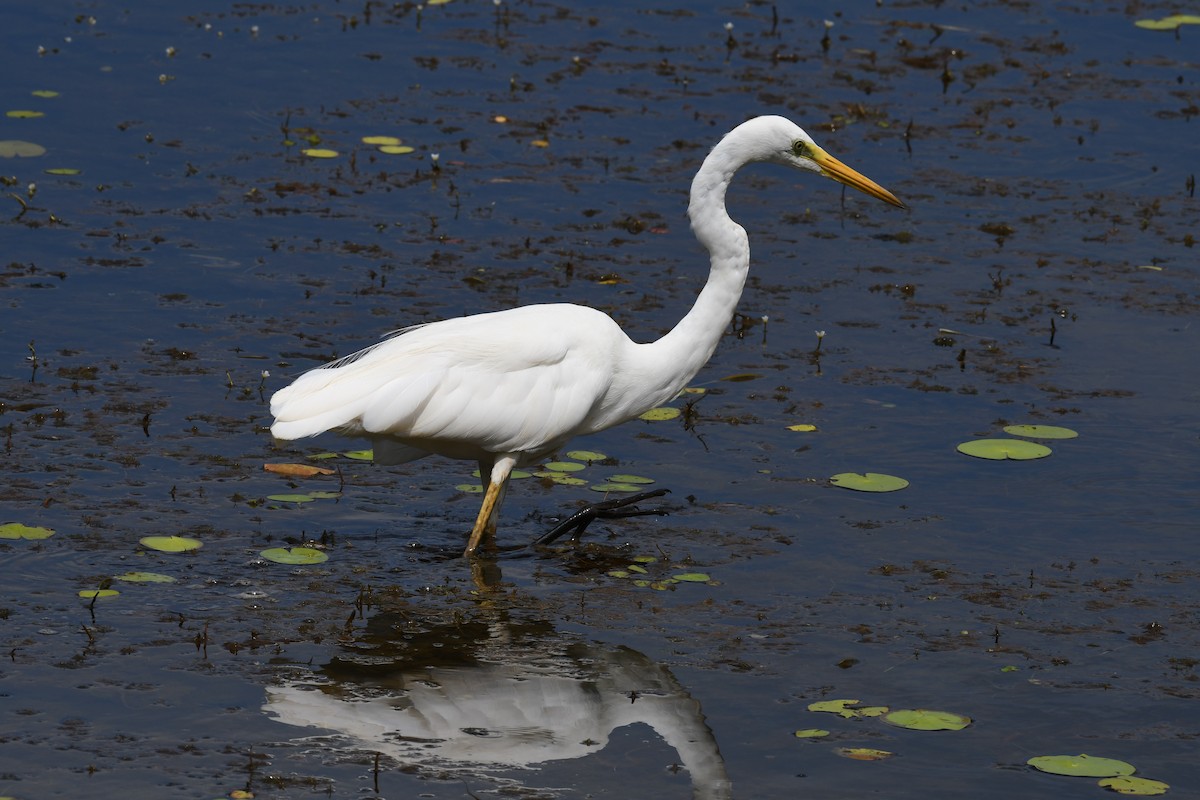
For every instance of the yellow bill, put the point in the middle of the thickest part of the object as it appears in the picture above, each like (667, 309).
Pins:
(832, 168)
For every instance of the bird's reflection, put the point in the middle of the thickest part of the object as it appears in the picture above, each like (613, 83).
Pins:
(496, 694)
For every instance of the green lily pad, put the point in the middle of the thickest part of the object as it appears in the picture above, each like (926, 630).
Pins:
(1081, 765)
(1168, 23)
(381, 140)
(145, 577)
(864, 753)
(692, 577)
(291, 498)
(870, 711)
(44, 93)
(811, 733)
(97, 594)
(294, 555)
(803, 427)
(171, 544)
(360, 455)
(469, 488)
(324, 495)
(319, 152)
(660, 414)
(1002, 449)
(565, 466)
(923, 719)
(839, 707)
(587, 456)
(21, 113)
(1041, 431)
(645, 559)
(561, 478)
(15, 148)
(62, 171)
(868, 482)
(610, 486)
(1126, 784)
(617, 573)
(15, 530)
(638, 479)
(396, 149)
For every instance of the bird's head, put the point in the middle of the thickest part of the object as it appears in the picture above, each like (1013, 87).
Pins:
(781, 141)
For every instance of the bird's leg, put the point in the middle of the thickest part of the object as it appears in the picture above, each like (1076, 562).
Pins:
(493, 496)
(607, 509)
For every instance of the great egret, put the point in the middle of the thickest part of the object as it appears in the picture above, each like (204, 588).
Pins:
(508, 388)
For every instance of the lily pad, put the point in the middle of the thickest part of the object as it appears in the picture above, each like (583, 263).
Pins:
(145, 577)
(561, 478)
(1126, 784)
(15, 530)
(864, 753)
(96, 594)
(291, 498)
(839, 707)
(565, 466)
(609, 486)
(469, 488)
(396, 149)
(360, 455)
(811, 733)
(631, 479)
(802, 427)
(587, 456)
(1004, 449)
(171, 544)
(44, 93)
(1081, 765)
(1168, 23)
(692, 577)
(381, 140)
(1041, 431)
(319, 152)
(294, 555)
(21, 113)
(15, 148)
(923, 719)
(868, 482)
(660, 414)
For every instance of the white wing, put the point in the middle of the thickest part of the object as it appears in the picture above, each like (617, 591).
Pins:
(518, 381)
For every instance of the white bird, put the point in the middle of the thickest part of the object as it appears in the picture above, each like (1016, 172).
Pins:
(510, 387)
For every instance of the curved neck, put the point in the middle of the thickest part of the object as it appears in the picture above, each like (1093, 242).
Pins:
(692, 341)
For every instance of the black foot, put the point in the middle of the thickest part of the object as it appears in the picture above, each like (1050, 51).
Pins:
(607, 509)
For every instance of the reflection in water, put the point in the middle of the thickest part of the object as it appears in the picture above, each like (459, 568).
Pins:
(500, 695)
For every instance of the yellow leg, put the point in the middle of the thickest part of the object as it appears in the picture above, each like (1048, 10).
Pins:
(493, 496)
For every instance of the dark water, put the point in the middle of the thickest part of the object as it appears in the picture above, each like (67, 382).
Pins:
(1048, 158)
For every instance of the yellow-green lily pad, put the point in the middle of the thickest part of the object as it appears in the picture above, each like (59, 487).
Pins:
(145, 577)
(660, 414)
(319, 152)
(802, 427)
(586, 456)
(396, 149)
(1168, 23)
(864, 753)
(1041, 431)
(1004, 449)
(631, 479)
(811, 733)
(610, 486)
(923, 719)
(564, 466)
(15, 148)
(97, 594)
(62, 171)
(171, 544)
(360, 455)
(692, 577)
(561, 478)
(294, 555)
(21, 113)
(469, 488)
(1127, 784)
(839, 707)
(1081, 765)
(291, 498)
(868, 482)
(381, 140)
(15, 530)
(44, 93)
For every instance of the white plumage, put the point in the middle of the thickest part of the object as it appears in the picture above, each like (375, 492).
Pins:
(510, 387)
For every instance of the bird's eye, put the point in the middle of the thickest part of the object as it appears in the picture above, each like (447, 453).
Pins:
(800, 149)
